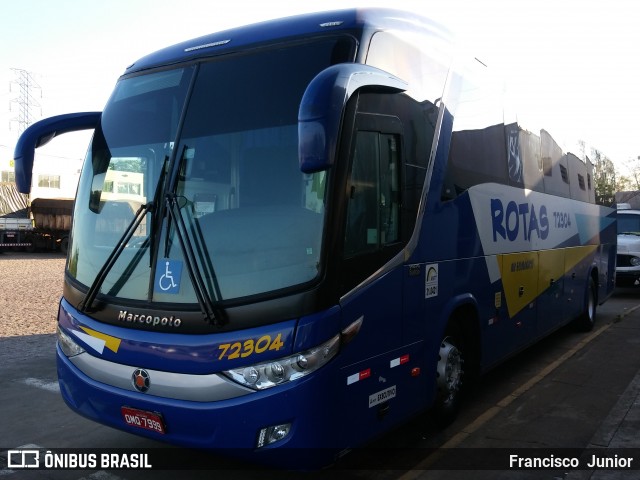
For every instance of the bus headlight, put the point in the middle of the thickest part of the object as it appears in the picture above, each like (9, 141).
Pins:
(275, 372)
(67, 345)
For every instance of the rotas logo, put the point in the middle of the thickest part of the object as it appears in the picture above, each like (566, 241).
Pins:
(518, 221)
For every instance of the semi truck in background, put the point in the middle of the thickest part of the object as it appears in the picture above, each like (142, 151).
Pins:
(43, 225)
(40, 221)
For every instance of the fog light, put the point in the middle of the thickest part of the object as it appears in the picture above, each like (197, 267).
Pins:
(273, 434)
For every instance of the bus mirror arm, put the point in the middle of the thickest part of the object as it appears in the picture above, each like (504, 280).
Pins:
(323, 104)
(41, 133)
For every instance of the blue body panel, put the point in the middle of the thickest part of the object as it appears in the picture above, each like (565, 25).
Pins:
(192, 354)
(302, 26)
(229, 426)
(321, 407)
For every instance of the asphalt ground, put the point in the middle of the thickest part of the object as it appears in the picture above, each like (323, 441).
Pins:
(584, 403)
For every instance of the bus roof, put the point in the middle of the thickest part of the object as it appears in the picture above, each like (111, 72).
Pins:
(289, 27)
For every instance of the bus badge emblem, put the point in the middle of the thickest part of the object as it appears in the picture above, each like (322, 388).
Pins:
(141, 380)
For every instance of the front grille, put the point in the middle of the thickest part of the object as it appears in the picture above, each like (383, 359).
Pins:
(624, 260)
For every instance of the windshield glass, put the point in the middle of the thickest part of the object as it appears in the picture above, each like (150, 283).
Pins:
(629, 224)
(218, 142)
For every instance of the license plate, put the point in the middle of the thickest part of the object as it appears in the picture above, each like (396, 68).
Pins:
(382, 396)
(143, 419)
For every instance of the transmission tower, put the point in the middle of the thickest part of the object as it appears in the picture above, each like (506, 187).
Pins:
(26, 101)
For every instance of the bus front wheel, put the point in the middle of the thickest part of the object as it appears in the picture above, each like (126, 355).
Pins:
(449, 374)
(457, 369)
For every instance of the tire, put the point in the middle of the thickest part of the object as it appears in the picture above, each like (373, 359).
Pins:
(33, 246)
(458, 366)
(449, 375)
(453, 372)
(64, 245)
(587, 319)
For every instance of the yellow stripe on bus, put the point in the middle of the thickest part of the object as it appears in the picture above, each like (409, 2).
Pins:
(527, 275)
(112, 343)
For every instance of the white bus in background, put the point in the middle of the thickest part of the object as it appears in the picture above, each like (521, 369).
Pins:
(628, 257)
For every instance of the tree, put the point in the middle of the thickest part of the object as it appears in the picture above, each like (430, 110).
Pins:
(625, 183)
(604, 177)
(633, 167)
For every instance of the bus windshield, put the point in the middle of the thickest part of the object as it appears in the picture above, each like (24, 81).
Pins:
(218, 141)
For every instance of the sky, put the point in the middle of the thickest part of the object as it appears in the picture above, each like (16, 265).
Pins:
(573, 62)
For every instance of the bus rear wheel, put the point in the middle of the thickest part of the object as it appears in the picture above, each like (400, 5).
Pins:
(587, 320)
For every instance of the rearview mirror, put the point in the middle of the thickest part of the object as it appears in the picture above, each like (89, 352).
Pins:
(323, 104)
(39, 134)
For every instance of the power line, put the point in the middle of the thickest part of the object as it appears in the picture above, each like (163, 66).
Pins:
(27, 104)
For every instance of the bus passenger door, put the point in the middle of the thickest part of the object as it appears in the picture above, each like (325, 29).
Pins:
(370, 281)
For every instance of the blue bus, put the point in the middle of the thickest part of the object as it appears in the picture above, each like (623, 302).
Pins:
(303, 232)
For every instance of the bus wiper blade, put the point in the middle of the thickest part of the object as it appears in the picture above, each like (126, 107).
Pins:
(156, 221)
(210, 307)
(86, 303)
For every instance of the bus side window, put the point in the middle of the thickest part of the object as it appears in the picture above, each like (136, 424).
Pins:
(554, 161)
(577, 173)
(531, 160)
(479, 149)
(373, 194)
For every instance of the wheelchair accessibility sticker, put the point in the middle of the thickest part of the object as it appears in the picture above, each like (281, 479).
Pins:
(168, 273)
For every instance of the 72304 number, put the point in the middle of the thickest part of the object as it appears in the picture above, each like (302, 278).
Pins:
(250, 347)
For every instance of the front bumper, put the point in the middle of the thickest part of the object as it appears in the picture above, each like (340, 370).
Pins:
(230, 427)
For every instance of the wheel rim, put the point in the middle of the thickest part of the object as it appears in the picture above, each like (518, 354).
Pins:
(449, 371)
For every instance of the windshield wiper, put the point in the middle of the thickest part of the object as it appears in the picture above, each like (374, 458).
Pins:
(209, 306)
(86, 303)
